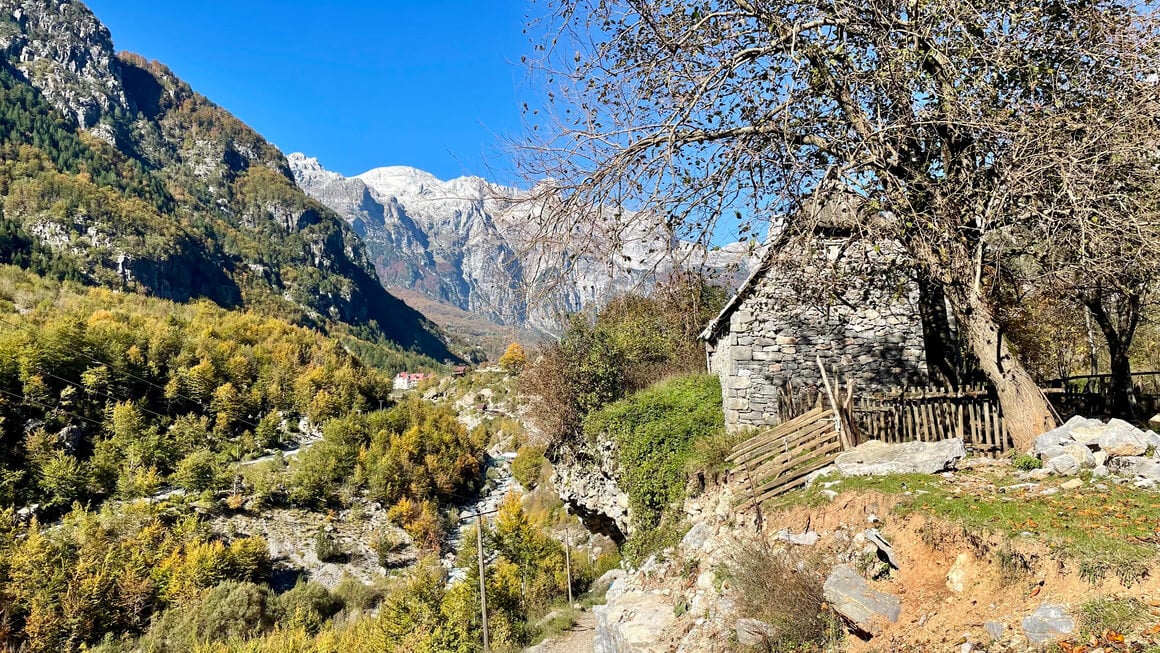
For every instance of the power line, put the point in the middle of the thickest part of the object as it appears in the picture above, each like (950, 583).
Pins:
(25, 399)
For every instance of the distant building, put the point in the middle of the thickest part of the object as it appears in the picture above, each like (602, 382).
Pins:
(411, 380)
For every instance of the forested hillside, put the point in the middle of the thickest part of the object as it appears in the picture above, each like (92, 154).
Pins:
(115, 172)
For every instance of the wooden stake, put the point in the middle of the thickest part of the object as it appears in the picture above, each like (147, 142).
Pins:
(835, 405)
(568, 560)
(482, 580)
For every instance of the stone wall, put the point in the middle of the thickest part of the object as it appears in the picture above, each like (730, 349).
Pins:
(859, 314)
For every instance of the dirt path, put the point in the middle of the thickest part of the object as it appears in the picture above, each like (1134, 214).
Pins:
(577, 639)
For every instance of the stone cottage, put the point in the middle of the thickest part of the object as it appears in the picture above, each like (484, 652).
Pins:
(831, 295)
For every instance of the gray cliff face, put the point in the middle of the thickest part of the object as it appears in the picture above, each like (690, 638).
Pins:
(86, 85)
(470, 243)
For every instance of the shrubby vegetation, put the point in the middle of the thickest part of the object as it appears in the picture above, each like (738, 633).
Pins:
(105, 394)
(109, 572)
(632, 343)
(655, 431)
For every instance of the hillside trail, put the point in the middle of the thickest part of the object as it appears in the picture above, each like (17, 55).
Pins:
(580, 638)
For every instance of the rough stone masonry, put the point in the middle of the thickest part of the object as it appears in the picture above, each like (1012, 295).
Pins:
(844, 301)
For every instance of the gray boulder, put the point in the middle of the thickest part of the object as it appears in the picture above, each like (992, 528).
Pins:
(1063, 434)
(1120, 438)
(863, 607)
(632, 623)
(1132, 466)
(1048, 624)
(754, 632)
(1053, 451)
(1082, 455)
(695, 539)
(1064, 465)
(876, 458)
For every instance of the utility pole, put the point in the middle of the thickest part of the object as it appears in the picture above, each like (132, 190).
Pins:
(483, 579)
(568, 560)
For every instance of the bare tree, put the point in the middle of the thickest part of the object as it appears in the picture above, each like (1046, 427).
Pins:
(944, 115)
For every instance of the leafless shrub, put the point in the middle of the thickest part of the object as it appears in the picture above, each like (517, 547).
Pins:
(783, 589)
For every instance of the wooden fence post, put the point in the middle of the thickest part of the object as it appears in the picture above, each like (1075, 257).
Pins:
(482, 580)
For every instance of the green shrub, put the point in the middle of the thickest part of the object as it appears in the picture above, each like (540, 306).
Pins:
(231, 610)
(356, 595)
(386, 545)
(198, 471)
(1026, 462)
(308, 605)
(528, 466)
(327, 549)
(655, 431)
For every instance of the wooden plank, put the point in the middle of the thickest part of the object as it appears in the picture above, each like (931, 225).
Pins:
(797, 477)
(770, 467)
(776, 432)
(789, 470)
(786, 443)
(771, 434)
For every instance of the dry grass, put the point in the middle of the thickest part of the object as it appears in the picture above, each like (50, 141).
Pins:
(783, 589)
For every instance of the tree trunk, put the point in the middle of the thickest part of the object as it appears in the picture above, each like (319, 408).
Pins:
(1026, 411)
(1121, 394)
(942, 351)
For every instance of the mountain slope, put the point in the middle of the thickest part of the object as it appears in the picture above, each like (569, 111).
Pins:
(469, 243)
(131, 179)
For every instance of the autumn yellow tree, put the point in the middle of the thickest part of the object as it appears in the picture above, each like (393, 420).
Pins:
(514, 360)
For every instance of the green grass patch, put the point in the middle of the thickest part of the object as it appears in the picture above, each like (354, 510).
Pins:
(1114, 530)
(1119, 615)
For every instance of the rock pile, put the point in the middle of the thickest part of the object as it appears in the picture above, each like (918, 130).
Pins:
(1112, 448)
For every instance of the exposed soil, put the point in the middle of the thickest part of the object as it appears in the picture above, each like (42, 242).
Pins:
(580, 638)
(934, 618)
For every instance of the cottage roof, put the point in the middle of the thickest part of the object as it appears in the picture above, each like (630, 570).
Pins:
(827, 211)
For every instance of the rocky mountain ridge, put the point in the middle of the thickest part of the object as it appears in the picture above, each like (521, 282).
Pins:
(473, 244)
(138, 182)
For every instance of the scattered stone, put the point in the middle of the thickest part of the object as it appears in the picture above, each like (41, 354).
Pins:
(874, 537)
(1018, 487)
(1073, 484)
(754, 632)
(808, 538)
(1048, 624)
(960, 573)
(1038, 474)
(1064, 465)
(634, 621)
(863, 607)
(876, 458)
(695, 539)
(995, 629)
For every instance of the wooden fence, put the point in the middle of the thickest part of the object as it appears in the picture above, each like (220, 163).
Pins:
(931, 414)
(779, 459)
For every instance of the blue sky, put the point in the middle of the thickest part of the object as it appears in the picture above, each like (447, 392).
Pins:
(359, 84)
